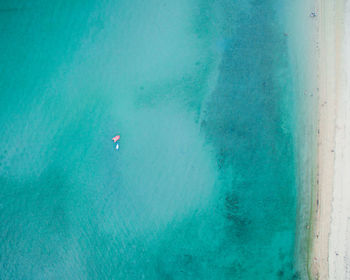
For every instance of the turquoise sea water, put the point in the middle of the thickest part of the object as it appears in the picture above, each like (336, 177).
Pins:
(203, 186)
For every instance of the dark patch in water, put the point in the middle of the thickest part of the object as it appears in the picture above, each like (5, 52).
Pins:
(12, 10)
(250, 128)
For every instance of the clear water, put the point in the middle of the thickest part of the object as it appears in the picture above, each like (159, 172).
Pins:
(203, 185)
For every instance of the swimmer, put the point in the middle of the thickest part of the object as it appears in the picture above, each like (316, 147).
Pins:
(115, 139)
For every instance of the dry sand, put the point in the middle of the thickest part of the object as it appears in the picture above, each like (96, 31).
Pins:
(339, 239)
(331, 224)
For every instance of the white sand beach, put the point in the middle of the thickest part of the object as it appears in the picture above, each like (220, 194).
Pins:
(339, 240)
(331, 215)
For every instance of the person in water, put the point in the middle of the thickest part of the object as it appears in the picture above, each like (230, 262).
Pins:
(115, 139)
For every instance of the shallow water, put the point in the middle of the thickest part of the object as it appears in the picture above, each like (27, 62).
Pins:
(203, 186)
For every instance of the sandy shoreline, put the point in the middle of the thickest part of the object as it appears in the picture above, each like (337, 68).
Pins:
(331, 213)
(339, 241)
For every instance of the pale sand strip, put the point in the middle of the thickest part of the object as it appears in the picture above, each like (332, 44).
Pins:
(339, 241)
(330, 167)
